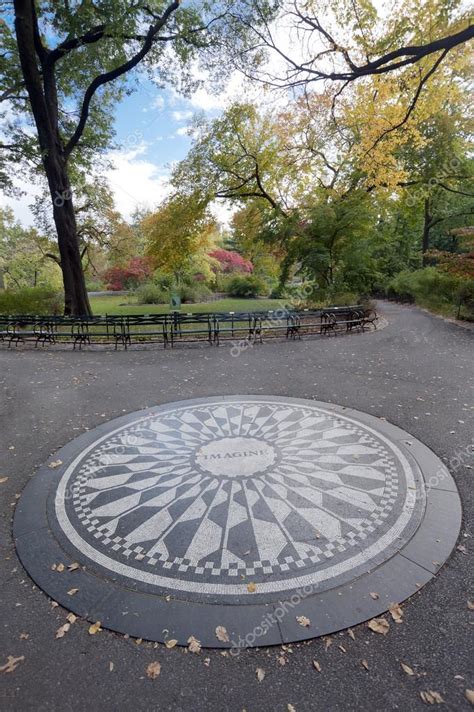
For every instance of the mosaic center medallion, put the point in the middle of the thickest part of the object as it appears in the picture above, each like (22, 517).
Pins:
(205, 498)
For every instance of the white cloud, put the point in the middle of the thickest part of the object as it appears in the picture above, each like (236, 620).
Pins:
(135, 181)
(21, 205)
(157, 104)
(182, 115)
(182, 131)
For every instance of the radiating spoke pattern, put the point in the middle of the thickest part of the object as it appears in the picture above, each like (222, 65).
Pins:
(223, 492)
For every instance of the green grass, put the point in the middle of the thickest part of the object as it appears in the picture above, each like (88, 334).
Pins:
(127, 305)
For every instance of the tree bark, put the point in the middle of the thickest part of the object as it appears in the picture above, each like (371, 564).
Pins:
(41, 87)
(427, 225)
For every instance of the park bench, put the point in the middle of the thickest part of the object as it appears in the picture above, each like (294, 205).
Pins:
(276, 323)
(190, 327)
(141, 327)
(234, 325)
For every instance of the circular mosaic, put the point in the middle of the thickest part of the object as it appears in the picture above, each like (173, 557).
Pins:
(241, 501)
(207, 498)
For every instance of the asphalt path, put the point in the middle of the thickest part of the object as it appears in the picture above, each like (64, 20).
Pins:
(417, 373)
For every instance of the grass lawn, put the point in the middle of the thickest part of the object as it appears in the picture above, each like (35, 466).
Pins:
(127, 305)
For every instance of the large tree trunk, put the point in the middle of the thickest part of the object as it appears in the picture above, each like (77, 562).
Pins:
(76, 301)
(41, 87)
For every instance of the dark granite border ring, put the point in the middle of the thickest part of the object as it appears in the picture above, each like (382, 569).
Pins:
(153, 617)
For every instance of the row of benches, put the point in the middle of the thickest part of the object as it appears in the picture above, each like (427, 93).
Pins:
(176, 327)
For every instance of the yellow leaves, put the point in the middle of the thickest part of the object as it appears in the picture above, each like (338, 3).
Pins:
(396, 613)
(222, 634)
(171, 643)
(379, 625)
(61, 632)
(251, 587)
(194, 645)
(153, 670)
(12, 663)
(430, 697)
(94, 628)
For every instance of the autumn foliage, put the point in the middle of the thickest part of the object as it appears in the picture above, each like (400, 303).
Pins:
(231, 262)
(135, 272)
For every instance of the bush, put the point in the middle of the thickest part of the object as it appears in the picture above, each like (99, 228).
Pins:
(151, 293)
(192, 293)
(31, 300)
(231, 262)
(426, 286)
(245, 287)
(134, 273)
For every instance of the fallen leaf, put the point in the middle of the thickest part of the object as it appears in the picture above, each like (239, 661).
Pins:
(430, 697)
(469, 696)
(316, 665)
(260, 673)
(282, 660)
(396, 613)
(470, 605)
(374, 595)
(406, 668)
(111, 666)
(12, 663)
(54, 604)
(351, 634)
(94, 628)
(251, 587)
(342, 648)
(55, 463)
(303, 621)
(290, 708)
(60, 568)
(222, 634)
(327, 643)
(3, 479)
(379, 625)
(194, 645)
(72, 591)
(153, 670)
(364, 664)
(207, 662)
(24, 636)
(462, 549)
(74, 566)
(171, 643)
(61, 632)
(71, 618)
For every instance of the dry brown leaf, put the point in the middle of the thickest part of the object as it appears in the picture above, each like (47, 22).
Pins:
(396, 613)
(153, 670)
(342, 649)
(406, 668)
(430, 697)
(260, 673)
(61, 632)
(364, 664)
(222, 634)
(54, 604)
(379, 625)
(24, 636)
(251, 587)
(72, 591)
(281, 660)
(3, 479)
(74, 566)
(290, 707)
(111, 666)
(55, 464)
(469, 694)
(59, 567)
(303, 621)
(12, 663)
(194, 645)
(316, 665)
(327, 643)
(470, 605)
(374, 595)
(350, 633)
(94, 628)
(171, 643)
(71, 618)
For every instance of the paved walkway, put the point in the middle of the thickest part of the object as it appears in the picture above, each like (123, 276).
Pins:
(416, 373)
